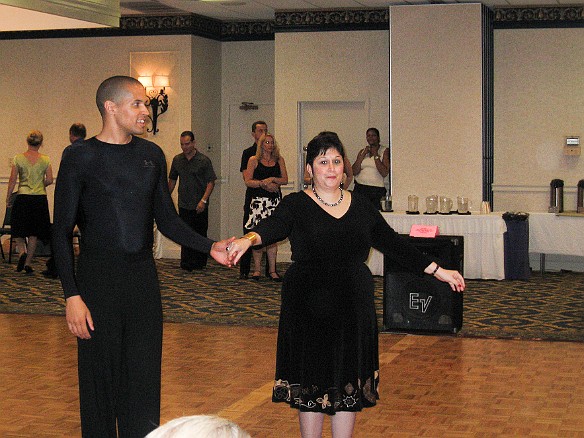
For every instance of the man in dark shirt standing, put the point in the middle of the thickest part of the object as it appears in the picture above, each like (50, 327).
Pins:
(197, 180)
(77, 133)
(115, 185)
(258, 129)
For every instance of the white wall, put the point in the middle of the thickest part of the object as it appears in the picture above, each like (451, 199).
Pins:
(436, 102)
(247, 75)
(539, 101)
(49, 84)
(330, 66)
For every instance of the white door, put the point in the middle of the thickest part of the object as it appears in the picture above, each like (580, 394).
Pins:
(240, 138)
(349, 119)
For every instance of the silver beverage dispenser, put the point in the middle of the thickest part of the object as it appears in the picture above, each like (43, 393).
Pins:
(556, 196)
(580, 199)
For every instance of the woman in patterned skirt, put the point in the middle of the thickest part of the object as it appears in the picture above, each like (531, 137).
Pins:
(265, 173)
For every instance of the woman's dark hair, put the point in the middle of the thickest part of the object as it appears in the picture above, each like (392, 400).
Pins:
(322, 143)
(375, 130)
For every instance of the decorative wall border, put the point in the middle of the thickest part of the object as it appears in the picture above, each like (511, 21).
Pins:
(298, 21)
(172, 25)
(318, 21)
(247, 30)
(194, 24)
(191, 24)
(538, 17)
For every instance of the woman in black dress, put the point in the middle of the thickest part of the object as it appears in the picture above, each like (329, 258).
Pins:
(327, 355)
(265, 173)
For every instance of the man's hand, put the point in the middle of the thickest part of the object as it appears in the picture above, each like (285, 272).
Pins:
(201, 207)
(219, 251)
(78, 317)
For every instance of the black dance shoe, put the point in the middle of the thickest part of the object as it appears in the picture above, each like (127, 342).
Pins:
(21, 262)
(50, 274)
(28, 269)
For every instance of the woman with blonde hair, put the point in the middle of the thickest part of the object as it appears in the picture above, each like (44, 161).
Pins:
(201, 426)
(30, 210)
(265, 173)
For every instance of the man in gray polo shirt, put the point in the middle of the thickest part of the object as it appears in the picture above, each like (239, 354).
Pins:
(197, 180)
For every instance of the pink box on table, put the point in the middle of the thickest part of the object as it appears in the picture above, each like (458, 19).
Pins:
(428, 231)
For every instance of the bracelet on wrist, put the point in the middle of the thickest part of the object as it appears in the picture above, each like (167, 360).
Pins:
(435, 270)
(252, 237)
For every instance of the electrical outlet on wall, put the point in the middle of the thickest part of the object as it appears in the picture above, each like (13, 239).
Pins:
(572, 146)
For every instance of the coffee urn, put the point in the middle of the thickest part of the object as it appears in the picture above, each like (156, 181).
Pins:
(556, 196)
(580, 200)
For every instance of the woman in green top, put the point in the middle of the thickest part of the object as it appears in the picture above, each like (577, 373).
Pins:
(30, 208)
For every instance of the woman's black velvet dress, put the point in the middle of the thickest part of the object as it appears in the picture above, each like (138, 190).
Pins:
(327, 356)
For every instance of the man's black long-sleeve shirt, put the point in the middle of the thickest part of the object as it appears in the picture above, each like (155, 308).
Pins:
(114, 192)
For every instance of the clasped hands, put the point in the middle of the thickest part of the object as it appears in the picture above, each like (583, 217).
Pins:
(229, 251)
(270, 185)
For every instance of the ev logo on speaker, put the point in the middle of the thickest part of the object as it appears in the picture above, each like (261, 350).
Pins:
(417, 303)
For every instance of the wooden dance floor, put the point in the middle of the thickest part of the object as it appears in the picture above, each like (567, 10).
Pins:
(431, 386)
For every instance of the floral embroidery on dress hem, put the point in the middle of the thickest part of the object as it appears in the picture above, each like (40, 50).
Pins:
(331, 399)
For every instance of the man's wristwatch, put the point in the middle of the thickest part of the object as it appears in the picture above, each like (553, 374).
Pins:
(204, 201)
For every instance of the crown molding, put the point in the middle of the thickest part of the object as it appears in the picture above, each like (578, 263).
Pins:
(538, 17)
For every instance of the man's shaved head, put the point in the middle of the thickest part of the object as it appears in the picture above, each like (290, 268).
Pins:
(114, 89)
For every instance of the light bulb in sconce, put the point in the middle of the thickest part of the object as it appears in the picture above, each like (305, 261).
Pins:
(161, 81)
(157, 100)
(146, 81)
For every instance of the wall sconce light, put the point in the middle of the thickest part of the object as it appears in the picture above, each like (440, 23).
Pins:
(158, 100)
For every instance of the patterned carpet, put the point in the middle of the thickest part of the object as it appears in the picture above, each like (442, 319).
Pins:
(547, 308)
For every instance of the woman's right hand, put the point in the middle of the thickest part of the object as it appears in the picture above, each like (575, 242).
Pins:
(453, 278)
(237, 248)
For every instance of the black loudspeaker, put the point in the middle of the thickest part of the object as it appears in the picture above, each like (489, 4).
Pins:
(421, 303)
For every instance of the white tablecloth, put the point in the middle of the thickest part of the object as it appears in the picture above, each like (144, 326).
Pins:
(484, 251)
(551, 234)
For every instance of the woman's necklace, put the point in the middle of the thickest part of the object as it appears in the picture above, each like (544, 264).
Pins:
(326, 203)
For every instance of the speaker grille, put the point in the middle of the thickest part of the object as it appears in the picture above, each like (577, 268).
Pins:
(414, 303)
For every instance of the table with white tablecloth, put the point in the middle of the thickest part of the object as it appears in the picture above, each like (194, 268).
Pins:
(484, 248)
(551, 233)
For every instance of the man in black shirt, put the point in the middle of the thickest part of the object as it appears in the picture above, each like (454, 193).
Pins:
(77, 133)
(115, 185)
(197, 181)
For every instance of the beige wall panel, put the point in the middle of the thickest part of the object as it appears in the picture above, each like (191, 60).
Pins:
(539, 101)
(328, 67)
(247, 75)
(436, 102)
(206, 117)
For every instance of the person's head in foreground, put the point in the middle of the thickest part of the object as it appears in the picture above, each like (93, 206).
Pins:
(199, 426)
